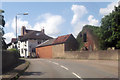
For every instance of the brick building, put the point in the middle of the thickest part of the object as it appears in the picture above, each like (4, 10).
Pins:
(89, 39)
(28, 40)
(56, 47)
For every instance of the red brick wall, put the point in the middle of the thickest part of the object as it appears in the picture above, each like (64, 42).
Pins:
(44, 52)
(89, 42)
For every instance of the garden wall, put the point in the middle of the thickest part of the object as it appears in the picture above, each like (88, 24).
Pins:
(94, 55)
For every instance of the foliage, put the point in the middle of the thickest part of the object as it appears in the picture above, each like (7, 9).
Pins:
(15, 52)
(108, 33)
(110, 30)
(2, 24)
(95, 31)
(2, 21)
(80, 42)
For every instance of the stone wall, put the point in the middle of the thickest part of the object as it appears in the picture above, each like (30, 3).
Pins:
(93, 55)
(58, 50)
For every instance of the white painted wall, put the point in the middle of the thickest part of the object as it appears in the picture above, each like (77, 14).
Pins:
(25, 47)
(28, 45)
(11, 46)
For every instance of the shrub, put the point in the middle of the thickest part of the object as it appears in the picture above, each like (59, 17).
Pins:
(15, 52)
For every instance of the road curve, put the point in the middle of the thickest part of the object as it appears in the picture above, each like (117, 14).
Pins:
(68, 68)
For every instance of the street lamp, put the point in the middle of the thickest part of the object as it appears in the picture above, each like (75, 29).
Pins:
(16, 20)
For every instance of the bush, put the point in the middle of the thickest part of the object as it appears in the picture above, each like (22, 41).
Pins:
(15, 52)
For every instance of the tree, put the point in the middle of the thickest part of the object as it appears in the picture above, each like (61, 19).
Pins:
(110, 30)
(2, 21)
(2, 24)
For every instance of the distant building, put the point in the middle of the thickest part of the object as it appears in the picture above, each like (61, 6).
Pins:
(90, 40)
(56, 46)
(12, 44)
(28, 40)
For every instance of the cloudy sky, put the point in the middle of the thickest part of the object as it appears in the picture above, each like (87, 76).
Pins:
(57, 18)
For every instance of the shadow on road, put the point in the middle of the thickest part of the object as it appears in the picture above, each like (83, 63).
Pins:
(32, 73)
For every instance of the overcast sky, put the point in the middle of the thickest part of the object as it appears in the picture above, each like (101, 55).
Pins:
(57, 18)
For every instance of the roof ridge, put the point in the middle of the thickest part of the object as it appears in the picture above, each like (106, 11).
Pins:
(61, 39)
(63, 35)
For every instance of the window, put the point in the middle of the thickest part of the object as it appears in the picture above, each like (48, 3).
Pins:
(33, 50)
(25, 43)
(84, 37)
(39, 42)
(22, 51)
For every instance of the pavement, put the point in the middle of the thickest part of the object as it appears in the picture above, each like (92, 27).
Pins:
(70, 68)
(16, 72)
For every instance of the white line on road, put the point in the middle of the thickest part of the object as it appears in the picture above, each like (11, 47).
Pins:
(55, 63)
(77, 76)
(64, 67)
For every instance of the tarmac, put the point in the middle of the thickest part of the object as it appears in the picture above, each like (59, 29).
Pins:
(16, 72)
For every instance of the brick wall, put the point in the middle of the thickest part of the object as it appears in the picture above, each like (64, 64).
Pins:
(92, 40)
(44, 52)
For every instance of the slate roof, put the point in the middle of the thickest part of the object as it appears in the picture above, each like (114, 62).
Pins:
(58, 40)
(35, 35)
(46, 43)
(27, 31)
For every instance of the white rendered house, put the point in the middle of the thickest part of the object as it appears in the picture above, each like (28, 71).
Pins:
(28, 40)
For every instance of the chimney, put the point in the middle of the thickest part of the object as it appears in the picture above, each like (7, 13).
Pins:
(43, 31)
(23, 30)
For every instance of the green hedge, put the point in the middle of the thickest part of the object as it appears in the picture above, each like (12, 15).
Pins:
(15, 52)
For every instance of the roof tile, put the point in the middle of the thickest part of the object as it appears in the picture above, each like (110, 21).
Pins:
(61, 39)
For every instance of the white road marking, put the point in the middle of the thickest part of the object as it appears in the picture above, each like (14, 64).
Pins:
(77, 76)
(67, 69)
(55, 63)
(64, 67)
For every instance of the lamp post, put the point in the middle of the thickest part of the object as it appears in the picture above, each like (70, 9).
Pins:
(16, 20)
(16, 25)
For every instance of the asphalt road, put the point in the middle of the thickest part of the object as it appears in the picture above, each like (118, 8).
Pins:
(68, 68)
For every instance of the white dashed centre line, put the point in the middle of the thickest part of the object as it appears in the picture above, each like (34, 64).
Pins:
(67, 69)
(77, 76)
(64, 67)
(55, 63)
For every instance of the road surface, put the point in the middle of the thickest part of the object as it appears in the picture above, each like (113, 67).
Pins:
(69, 68)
